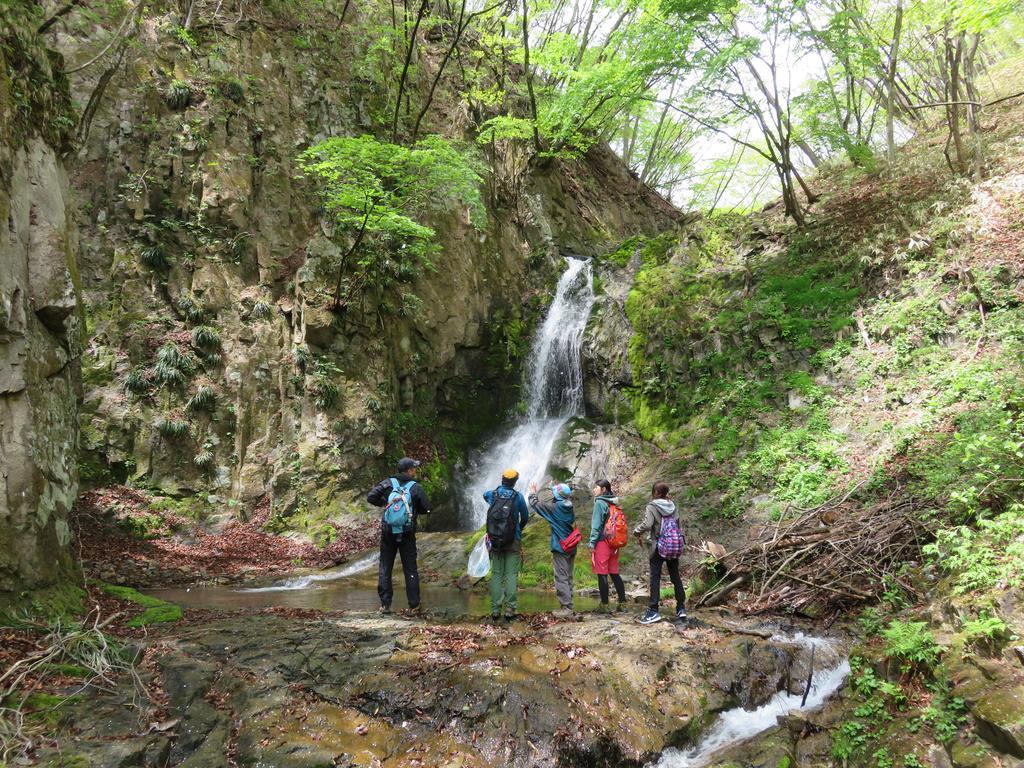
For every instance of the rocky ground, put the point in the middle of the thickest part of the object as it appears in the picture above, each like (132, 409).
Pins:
(291, 688)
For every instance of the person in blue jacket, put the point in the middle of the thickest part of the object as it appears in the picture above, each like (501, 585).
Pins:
(562, 518)
(506, 560)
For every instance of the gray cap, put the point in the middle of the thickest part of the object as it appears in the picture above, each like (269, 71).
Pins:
(404, 465)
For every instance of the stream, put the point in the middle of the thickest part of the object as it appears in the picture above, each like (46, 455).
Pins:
(351, 587)
(736, 726)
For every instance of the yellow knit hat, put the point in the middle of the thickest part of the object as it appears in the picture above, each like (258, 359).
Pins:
(510, 474)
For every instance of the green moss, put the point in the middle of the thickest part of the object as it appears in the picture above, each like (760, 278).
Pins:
(161, 614)
(47, 707)
(474, 539)
(59, 601)
(68, 670)
(156, 611)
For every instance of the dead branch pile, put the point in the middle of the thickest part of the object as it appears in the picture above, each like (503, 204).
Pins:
(824, 559)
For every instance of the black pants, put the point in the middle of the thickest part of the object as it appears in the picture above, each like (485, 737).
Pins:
(602, 587)
(673, 573)
(390, 545)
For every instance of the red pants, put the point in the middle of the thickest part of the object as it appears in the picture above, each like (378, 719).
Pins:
(604, 560)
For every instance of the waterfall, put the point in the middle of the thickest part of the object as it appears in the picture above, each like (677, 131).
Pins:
(554, 394)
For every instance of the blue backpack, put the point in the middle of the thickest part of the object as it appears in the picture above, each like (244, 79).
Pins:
(398, 512)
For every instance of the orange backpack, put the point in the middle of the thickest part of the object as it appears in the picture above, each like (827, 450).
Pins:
(616, 532)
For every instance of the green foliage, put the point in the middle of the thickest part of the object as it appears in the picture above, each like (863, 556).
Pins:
(911, 643)
(877, 701)
(172, 428)
(377, 194)
(987, 629)
(322, 388)
(988, 555)
(204, 460)
(178, 95)
(232, 88)
(141, 526)
(184, 37)
(204, 399)
(205, 337)
(173, 367)
(136, 382)
(945, 714)
(261, 309)
(191, 308)
(154, 257)
(505, 128)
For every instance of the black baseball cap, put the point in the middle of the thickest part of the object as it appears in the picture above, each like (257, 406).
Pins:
(406, 464)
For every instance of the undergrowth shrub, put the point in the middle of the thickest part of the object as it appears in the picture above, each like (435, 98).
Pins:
(204, 399)
(911, 643)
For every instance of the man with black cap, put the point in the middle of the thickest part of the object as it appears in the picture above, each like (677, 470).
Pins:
(403, 500)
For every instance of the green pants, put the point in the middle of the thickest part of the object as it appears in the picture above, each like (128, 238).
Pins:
(505, 580)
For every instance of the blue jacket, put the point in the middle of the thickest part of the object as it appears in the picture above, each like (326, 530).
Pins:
(524, 512)
(560, 516)
(600, 517)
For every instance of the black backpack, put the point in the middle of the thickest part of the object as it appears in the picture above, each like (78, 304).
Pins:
(501, 520)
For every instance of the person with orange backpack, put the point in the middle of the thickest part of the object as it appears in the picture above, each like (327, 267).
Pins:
(608, 535)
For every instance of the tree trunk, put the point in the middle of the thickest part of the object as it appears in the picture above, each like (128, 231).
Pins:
(405, 69)
(890, 102)
(529, 76)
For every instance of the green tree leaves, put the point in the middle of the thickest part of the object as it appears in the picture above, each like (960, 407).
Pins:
(380, 195)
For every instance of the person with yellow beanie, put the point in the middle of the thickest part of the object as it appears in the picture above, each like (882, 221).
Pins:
(507, 515)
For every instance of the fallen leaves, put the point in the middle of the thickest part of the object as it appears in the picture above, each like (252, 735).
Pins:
(176, 550)
(572, 651)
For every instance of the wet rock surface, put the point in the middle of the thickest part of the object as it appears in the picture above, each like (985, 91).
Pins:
(296, 688)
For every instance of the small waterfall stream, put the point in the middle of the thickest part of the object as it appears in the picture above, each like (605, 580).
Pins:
(554, 394)
(737, 725)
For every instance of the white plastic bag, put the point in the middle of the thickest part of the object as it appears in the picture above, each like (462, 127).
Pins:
(479, 560)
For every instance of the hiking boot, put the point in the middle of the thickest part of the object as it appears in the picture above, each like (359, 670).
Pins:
(603, 608)
(510, 617)
(413, 611)
(384, 610)
(651, 617)
(681, 615)
(620, 607)
(563, 613)
(494, 618)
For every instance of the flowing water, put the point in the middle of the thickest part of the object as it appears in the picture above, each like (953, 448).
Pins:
(554, 394)
(363, 564)
(353, 593)
(737, 725)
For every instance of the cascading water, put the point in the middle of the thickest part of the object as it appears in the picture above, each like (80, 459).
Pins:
(735, 726)
(554, 395)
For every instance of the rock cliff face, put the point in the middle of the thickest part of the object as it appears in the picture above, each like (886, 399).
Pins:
(202, 251)
(39, 324)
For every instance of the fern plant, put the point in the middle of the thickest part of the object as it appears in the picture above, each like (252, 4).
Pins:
(205, 337)
(178, 95)
(325, 393)
(172, 367)
(154, 257)
(171, 427)
(261, 310)
(192, 309)
(204, 460)
(204, 399)
(136, 382)
(912, 643)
